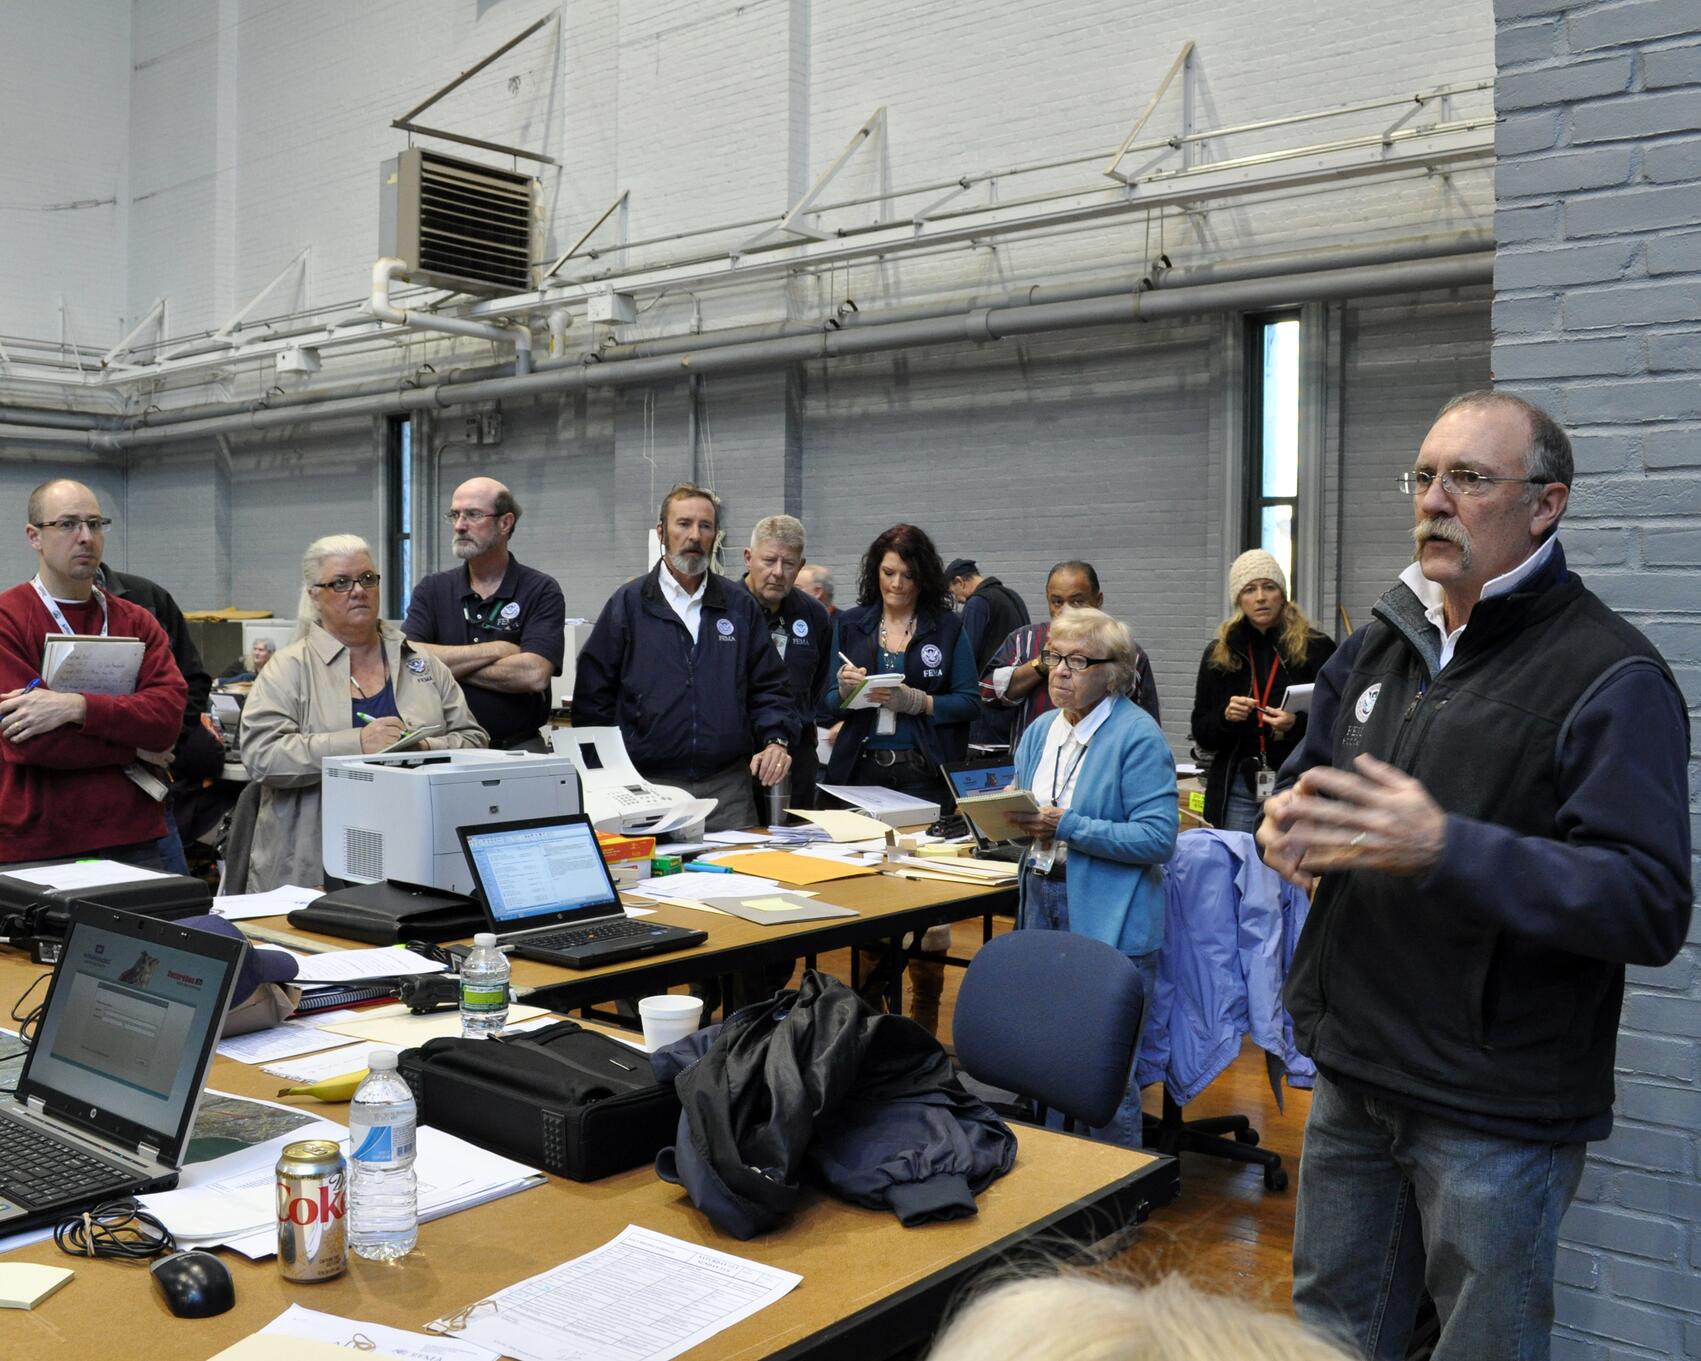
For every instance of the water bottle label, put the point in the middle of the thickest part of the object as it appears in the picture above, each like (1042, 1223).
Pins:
(376, 1145)
(484, 999)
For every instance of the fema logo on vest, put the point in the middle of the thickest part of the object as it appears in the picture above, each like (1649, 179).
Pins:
(1367, 702)
(932, 660)
(724, 627)
(1352, 736)
(800, 630)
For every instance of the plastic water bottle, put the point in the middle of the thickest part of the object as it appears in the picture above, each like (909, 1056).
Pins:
(383, 1193)
(484, 989)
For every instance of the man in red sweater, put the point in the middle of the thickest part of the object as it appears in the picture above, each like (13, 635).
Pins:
(63, 756)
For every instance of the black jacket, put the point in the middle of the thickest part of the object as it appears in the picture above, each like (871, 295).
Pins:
(1556, 742)
(157, 601)
(816, 1085)
(927, 666)
(809, 664)
(1234, 746)
(683, 708)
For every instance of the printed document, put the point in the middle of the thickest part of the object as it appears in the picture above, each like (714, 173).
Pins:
(640, 1297)
(360, 1337)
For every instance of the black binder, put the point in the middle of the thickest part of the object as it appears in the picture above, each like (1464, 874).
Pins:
(390, 912)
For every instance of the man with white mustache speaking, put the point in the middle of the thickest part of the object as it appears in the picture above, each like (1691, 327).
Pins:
(1492, 803)
(680, 660)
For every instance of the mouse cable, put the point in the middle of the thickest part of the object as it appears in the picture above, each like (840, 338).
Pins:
(114, 1228)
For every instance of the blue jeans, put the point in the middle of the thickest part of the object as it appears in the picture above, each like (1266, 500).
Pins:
(1392, 1200)
(1045, 907)
(170, 845)
(1242, 813)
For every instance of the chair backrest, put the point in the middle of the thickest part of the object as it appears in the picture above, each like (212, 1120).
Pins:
(1052, 1016)
(239, 839)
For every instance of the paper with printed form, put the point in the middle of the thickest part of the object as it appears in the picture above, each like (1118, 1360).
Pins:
(277, 902)
(360, 1337)
(91, 665)
(351, 966)
(640, 1297)
(83, 874)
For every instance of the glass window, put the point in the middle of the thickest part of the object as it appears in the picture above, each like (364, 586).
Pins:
(1274, 445)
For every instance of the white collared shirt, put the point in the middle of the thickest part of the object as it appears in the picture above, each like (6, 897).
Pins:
(686, 604)
(1432, 598)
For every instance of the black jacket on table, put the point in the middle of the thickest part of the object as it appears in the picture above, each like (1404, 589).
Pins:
(817, 1085)
(683, 708)
(1556, 741)
(157, 601)
(927, 666)
(1234, 746)
(809, 664)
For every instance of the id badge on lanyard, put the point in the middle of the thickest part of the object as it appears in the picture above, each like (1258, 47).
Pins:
(59, 614)
(1266, 783)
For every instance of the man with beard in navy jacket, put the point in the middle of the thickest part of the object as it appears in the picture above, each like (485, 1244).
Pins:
(680, 661)
(1493, 800)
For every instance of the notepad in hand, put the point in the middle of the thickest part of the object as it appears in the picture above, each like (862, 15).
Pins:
(91, 665)
(990, 813)
(858, 698)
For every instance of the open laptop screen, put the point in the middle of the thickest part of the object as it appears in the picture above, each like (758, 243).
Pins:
(540, 872)
(980, 779)
(126, 1034)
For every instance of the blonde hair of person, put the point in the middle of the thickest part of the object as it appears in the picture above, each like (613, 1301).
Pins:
(1078, 1318)
(1102, 636)
(1294, 631)
(785, 530)
(307, 612)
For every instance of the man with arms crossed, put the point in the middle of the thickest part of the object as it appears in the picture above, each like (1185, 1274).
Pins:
(680, 661)
(495, 623)
(1493, 800)
(63, 756)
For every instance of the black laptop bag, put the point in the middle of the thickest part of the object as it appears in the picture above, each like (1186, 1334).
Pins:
(569, 1100)
(37, 910)
(389, 912)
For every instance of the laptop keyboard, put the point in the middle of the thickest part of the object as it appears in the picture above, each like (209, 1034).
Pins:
(569, 937)
(42, 1171)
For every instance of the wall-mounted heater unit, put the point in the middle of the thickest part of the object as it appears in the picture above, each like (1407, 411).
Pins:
(459, 225)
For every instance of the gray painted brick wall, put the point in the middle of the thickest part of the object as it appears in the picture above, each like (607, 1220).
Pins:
(1597, 284)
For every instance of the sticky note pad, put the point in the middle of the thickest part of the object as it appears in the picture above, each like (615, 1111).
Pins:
(23, 1285)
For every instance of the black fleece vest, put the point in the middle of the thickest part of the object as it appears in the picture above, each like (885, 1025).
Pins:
(1404, 990)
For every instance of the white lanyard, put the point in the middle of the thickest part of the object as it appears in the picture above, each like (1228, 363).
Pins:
(59, 615)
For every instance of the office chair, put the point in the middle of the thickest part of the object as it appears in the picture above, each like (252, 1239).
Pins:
(1051, 1016)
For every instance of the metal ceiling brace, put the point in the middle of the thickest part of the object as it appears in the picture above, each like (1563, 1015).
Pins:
(406, 123)
(155, 314)
(227, 332)
(1183, 58)
(875, 124)
(573, 250)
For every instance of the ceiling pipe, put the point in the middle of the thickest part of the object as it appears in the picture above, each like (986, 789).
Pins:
(387, 268)
(976, 325)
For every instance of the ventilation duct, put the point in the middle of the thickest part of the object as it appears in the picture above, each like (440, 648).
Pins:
(456, 224)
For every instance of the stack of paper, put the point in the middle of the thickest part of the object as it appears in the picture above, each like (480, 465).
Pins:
(91, 665)
(278, 902)
(887, 805)
(787, 868)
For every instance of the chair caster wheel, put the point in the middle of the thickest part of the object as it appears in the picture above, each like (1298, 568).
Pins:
(1246, 1136)
(1275, 1179)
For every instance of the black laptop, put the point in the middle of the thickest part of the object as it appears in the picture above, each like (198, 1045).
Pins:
(967, 778)
(109, 1091)
(547, 894)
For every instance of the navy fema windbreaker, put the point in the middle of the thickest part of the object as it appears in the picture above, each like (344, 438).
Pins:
(683, 709)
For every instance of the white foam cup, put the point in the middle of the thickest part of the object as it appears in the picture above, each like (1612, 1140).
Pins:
(668, 1017)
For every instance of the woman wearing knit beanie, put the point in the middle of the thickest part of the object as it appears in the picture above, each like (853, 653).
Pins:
(1265, 645)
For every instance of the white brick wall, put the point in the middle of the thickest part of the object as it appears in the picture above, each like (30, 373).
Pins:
(1595, 317)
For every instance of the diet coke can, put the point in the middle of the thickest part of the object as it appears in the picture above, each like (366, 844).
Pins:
(312, 1211)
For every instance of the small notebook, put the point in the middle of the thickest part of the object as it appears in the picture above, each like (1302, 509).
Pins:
(23, 1285)
(91, 665)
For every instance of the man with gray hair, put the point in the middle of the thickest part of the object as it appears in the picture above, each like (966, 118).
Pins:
(800, 631)
(816, 581)
(1492, 798)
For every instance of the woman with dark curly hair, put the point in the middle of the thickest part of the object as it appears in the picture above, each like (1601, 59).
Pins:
(903, 624)
(1265, 645)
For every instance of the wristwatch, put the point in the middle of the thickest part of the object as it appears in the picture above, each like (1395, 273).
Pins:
(1040, 666)
(780, 742)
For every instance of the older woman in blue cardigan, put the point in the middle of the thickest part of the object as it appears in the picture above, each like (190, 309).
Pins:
(1102, 773)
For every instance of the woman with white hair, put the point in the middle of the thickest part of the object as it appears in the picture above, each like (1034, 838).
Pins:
(1104, 778)
(349, 684)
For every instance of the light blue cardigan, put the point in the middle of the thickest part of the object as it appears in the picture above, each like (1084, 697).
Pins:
(1120, 826)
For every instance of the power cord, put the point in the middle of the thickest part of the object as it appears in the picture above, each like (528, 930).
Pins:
(114, 1228)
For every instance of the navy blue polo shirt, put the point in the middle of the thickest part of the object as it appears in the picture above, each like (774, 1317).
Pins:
(527, 609)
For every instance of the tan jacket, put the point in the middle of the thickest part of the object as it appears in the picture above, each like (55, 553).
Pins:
(299, 712)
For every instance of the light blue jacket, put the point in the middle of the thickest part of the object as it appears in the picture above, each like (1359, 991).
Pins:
(1120, 826)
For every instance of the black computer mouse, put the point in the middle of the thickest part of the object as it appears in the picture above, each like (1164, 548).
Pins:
(195, 1284)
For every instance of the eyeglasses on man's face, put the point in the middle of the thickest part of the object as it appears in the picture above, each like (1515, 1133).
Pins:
(472, 517)
(70, 524)
(1455, 481)
(367, 581)
(1053, 660)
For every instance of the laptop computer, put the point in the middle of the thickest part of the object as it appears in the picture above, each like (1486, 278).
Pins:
(108, 1094)
(968, 778)
(547, 894)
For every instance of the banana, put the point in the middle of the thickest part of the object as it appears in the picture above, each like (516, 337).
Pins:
(331, 1089)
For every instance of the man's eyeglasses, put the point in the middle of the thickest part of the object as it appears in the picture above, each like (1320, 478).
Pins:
(1455, 481)
(1053, 660)
(470, 516)
(343, 585)
(70, 524)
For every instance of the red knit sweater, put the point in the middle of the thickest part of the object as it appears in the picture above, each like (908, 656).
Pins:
(65, 793)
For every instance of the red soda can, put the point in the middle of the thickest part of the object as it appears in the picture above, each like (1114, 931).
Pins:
(312, 1211)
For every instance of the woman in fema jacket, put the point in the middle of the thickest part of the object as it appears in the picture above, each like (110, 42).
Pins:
(1104, 778)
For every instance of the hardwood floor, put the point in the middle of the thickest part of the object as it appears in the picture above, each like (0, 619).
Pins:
(1224, 1232)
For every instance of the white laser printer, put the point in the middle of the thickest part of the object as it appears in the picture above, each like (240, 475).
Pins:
(394, 817)
(618, 799)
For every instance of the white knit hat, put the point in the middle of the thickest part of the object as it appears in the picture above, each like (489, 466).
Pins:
(1254, 565)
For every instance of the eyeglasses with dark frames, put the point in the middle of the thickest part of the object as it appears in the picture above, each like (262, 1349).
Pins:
(1053, 660)
(70, 524)
(343, 585)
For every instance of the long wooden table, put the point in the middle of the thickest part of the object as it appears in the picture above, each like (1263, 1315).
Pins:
(871, 1288)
